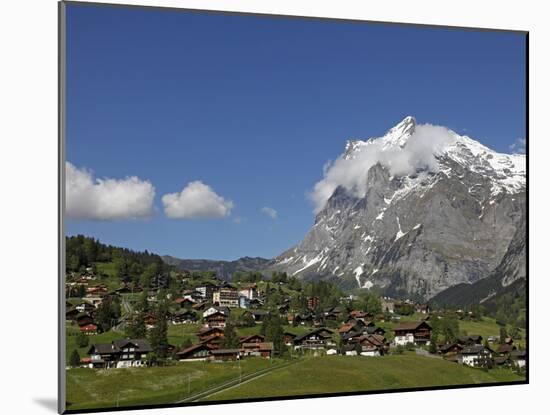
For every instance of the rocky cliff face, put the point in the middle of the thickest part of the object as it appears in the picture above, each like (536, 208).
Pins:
(448, 219)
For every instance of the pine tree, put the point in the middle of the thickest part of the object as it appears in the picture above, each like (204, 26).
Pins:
(158, 335)
(74, 360)
(230, 337)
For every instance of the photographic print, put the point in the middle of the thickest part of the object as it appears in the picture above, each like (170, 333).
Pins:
(262, 207)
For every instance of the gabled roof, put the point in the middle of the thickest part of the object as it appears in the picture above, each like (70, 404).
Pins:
(411, 325)
(474, 349)
(209, 330)
(246, 339)
(316, 331)
(194, 348)
(141, 344)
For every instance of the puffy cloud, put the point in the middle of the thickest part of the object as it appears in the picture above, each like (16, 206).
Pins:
(518, 147)
(420, 151)
(272, 213)
(196, 201)
(106, 199)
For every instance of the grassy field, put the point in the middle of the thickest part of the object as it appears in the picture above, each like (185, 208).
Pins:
(335, 374)
(87, 388)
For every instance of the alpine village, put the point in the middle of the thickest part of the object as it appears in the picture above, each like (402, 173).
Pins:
(140, 331)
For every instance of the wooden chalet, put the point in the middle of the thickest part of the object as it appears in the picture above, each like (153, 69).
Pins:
(194, 353)
(254, 338)
(316, 339)
(416, 332)
(260, 349)
(207, 332)
(119, 353)
(184, 317)
(217, 319)
(476, 356)
(450, 348)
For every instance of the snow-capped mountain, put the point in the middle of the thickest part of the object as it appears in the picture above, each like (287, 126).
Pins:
(414, 212)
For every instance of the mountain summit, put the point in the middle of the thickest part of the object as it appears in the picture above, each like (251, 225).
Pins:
(415, 212)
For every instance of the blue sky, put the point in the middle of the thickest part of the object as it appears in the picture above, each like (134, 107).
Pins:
(254, 107)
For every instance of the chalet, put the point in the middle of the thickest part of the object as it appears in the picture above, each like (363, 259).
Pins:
(194, 353)
(418, 332)
(119, 353)
(316, 339)
(261, 349)
(303, 319)
(449, 348)
(223, 355)
(71, 314)
(193, 295)
(254, 338)
(505, 349)
(218, 319)
(214, 309)
(288, 338)
(83, 319)
(213, 341)
(98, 290)
(226, 296)
(88, 329)
(257, 315)
(519, 358)
(207, 332)
(361, 315)
(184, 317)
(346, 328)
(85, 307)
(476, 356)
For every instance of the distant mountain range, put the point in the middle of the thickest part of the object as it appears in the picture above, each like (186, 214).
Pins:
(223, 269)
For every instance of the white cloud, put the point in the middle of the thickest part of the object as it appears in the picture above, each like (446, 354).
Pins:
(518, 147)
(420, 152)
(106, 199)
(272, 213)
(196, 201)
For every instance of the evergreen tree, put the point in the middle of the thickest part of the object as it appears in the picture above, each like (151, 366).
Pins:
(136, 328)
(230, 337)
(158, 335)
(74, 359)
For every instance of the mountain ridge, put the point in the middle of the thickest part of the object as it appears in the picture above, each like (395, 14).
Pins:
(433, 209)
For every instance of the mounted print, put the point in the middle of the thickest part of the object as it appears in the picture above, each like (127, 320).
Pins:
(259, 207)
